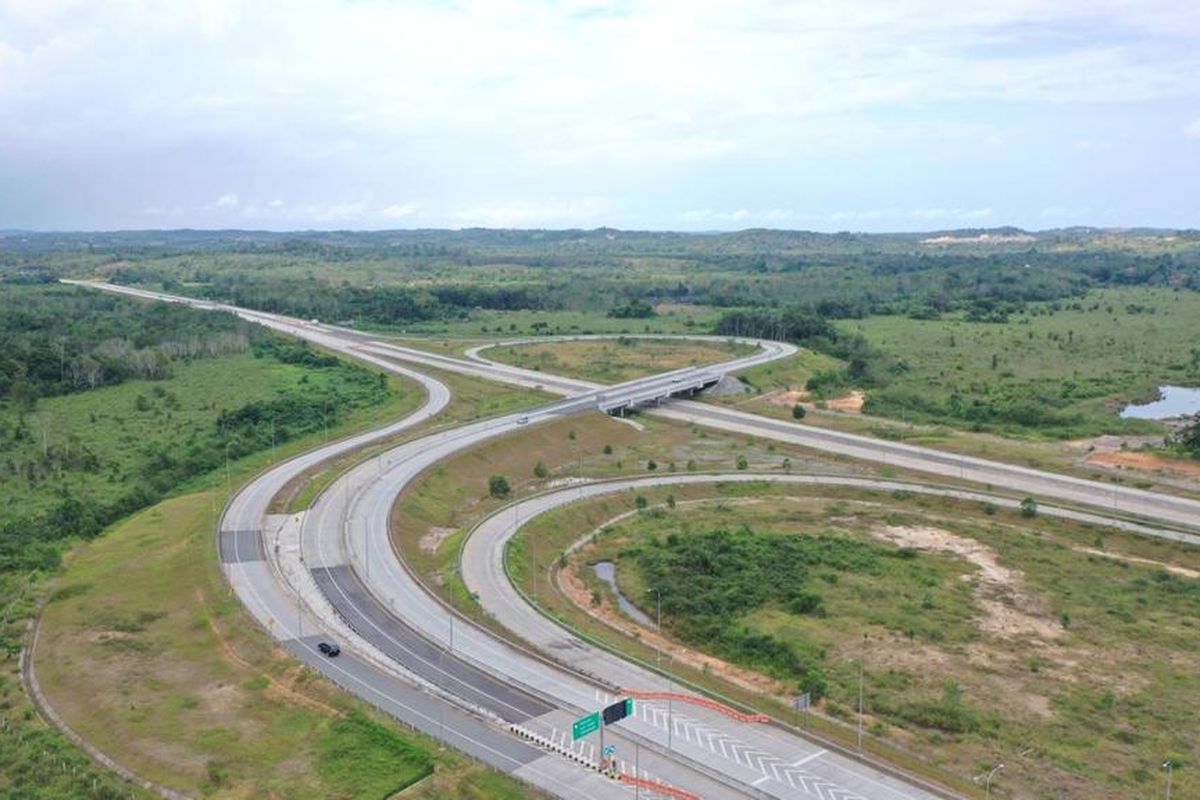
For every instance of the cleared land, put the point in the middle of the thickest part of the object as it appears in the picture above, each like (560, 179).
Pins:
(616, 360)
(1059, 649)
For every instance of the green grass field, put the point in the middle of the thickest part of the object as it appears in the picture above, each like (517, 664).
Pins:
(117, 425)
(146, 653)
(1053, 647)
(616, 360)
(1055, 373)
(523, 322)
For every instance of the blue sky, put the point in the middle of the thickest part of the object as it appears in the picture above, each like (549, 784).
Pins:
(686, 115)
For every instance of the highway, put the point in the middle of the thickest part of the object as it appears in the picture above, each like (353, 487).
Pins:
(331, 571)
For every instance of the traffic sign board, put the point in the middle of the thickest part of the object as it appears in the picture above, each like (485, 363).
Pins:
(618, 711)
(609, 750)
(585, 725)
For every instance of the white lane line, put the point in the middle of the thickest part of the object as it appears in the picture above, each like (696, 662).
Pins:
(808, 758)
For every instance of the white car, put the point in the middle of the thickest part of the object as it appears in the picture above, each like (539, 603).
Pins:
(522, 420)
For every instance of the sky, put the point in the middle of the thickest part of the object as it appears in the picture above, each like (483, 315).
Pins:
(829, 115)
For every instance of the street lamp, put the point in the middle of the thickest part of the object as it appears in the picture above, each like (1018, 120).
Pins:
(1169, 766)
(861, 669)
(987, 789)
(228, 483)
(658, 625)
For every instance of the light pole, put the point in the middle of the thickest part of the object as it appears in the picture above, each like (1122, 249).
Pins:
(228, 483)
(658, 626)
(861, 669)
(987, 788)
(1169, 766)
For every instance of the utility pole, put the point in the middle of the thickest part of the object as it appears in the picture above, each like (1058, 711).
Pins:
(637, 771)
(1169, 766)
(861, 670)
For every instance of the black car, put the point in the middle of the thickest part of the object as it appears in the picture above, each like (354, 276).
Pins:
(329, 648)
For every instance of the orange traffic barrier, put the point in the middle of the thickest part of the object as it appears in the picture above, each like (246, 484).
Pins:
(657, 787)
(697, 701)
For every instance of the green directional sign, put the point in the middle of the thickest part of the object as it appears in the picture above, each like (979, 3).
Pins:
(585, 725)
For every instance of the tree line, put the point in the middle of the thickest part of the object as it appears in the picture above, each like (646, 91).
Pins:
(56, 340)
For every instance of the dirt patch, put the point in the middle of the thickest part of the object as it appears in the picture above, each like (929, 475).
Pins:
(574, 588)
(222, 699)
(1110, 443)
(274, 688)
(849, 404)
(432, 540)
(1146, 462)
(1008, 609)
(1181, 571)
(788, 398)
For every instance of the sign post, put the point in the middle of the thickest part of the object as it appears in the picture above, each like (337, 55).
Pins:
(585, 725)
(596, 721)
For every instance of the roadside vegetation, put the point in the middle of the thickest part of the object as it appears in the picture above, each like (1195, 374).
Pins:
(430, 518)
(142, 648)
(985, 635)
(146, 653)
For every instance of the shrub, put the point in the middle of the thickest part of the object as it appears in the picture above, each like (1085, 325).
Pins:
(498, 486)
(539, 470)
(1029, 507)
(798, 411)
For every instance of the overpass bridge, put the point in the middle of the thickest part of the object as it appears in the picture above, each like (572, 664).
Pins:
(686, 383)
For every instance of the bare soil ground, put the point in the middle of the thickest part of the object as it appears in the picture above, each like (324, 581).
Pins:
(432, 540)
(1147, 462)
(1009, 610)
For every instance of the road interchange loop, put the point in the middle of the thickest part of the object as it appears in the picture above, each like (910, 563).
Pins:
(332, 570)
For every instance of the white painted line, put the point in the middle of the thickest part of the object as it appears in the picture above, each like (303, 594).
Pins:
(809, 758)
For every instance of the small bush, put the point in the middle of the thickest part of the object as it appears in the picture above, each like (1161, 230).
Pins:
(1029, 507)
(498, 486)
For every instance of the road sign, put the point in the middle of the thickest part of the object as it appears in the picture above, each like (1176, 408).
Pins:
(618, 711)
(585, 725)
(803, 701)
(609, 750)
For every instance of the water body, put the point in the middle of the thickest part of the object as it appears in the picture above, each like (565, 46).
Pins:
(607, 572)
(1173, 401)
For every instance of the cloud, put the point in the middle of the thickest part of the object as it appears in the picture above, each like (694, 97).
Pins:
(708, 215)
(655, 106)
(401, 210)
(952, 214)
(335, 212)
(572, 213)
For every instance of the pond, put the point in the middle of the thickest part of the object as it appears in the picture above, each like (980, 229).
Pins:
(607, 572)
(1173, 401)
